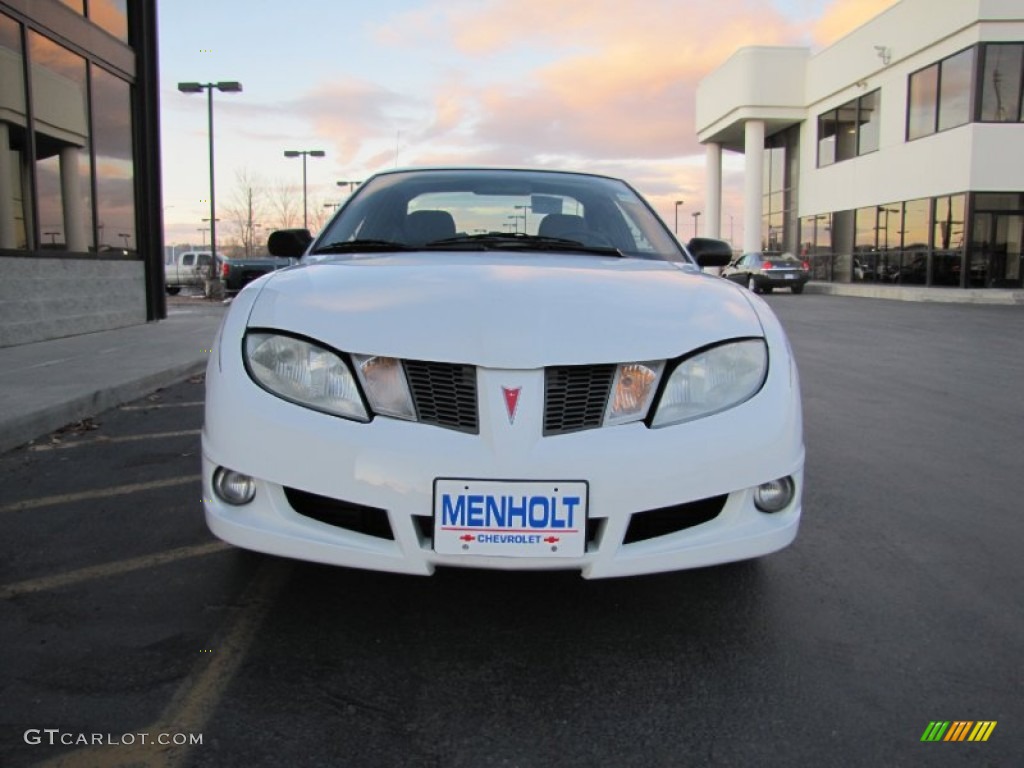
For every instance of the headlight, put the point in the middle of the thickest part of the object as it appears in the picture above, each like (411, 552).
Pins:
(713, 380)
(385, 385)
(632, 390)
(304, 373)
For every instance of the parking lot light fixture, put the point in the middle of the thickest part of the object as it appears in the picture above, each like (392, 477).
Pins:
(304, 153)
(225, 86)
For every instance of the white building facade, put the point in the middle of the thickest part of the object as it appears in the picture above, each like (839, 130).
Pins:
(895, 155)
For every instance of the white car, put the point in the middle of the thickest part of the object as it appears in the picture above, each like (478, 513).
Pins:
(501, 369)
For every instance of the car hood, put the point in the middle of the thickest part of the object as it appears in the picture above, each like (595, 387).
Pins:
(502, 310)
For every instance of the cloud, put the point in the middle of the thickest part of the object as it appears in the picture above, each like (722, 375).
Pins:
(843, 16)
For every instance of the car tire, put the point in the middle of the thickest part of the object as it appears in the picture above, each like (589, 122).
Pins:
(752, 285)
(173, 291)
(797, 289)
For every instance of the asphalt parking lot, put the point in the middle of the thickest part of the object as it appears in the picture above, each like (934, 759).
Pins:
(898, 605)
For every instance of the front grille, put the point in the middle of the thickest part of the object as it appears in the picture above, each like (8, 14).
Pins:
(444, 394)
(575, 397)
(340, 513)
(661, 522)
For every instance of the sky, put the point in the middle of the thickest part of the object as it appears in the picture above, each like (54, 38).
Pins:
(594, 85)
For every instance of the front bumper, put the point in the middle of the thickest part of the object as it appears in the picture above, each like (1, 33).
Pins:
(390, 466)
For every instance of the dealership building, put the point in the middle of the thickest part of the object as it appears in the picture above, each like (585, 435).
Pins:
(896, 155)
(80, 214)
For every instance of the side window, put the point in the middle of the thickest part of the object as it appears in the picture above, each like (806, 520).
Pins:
(188, 260)
(204, 260)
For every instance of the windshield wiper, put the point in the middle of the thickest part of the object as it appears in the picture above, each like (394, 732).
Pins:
(349, 246)
(524, 242)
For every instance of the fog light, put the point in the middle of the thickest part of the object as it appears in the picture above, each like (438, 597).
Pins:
(774, 495)
(233, 487)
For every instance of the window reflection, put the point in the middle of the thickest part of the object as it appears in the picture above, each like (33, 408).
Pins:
(846, 131)
(62, 146)
(115, 189)
(868, 119)
(924, 93)
(13, 223)
(955, 93)
(916, 218)
(948, 243)
(1001, 82)
(111, 15)
(827, 139)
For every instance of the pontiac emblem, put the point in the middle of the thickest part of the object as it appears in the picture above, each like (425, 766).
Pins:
(511, 401)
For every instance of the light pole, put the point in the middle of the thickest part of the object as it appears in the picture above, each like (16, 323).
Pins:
(678, 203)
(696, 215)
(228, 86)
(730, 229)
(351, 185)
(524, 209)
(203, 230)
(304, 153)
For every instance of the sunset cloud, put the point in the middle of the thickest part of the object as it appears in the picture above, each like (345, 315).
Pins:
(595, 85)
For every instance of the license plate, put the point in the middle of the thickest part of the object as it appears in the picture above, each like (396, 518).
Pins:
(510, 518)
(790, 276)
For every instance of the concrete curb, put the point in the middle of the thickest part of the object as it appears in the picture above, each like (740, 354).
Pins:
(988, 296)
(25, 429)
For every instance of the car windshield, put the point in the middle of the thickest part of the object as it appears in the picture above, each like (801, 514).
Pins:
(486, 210)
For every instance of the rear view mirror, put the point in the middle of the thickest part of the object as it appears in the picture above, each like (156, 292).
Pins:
(290, 243)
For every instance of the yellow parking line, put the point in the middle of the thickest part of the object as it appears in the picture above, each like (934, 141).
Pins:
(98, 493)
(191, 404)
(93, 572)
(196, 699)
(114, 440)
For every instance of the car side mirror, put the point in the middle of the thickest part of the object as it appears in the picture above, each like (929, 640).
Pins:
(289, 243)
(710, 252)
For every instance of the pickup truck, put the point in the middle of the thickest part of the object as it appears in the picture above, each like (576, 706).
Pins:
(238, 273)
(188, 269)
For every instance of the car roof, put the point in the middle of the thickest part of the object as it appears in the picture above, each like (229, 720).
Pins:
(491, 169)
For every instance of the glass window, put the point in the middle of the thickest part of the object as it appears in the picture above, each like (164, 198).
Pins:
(77, 6)
(827, 139)
(1001, 82)
(999, 201)
(865, 229)
(777, 169)
(924, 90)
(868, 120)
(115, 183)
(13, 221)
(846, 131)
(955, 90)
(916, 222)
(62, 146)
(111, 15)
(948, 240)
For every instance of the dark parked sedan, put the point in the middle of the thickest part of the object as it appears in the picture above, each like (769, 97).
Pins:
(761, 272)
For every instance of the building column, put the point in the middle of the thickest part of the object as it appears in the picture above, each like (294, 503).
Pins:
(753, 183)
(71, 192)
(713, 185)
(7, 236)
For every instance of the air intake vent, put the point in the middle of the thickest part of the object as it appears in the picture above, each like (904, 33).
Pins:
(661, 522)
(575, 397)
(340, 513)
(444, 394)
